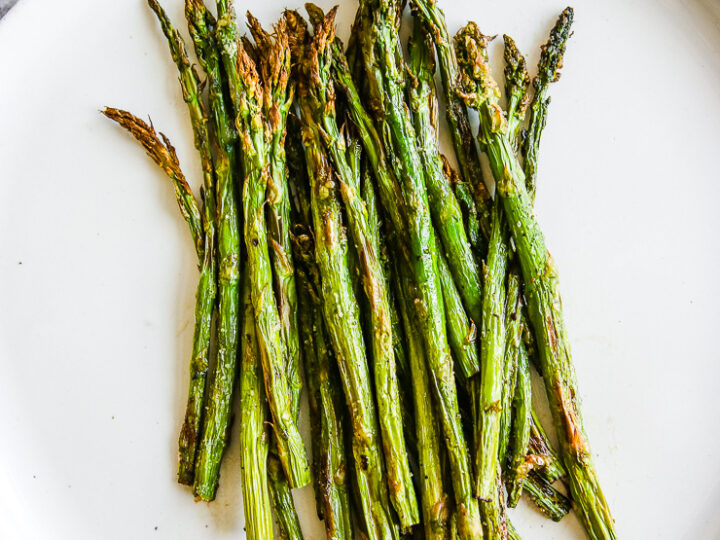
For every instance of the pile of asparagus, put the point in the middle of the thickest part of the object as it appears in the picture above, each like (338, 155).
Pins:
(338, 248)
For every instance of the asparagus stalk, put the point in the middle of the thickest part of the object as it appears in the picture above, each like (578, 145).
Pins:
(385, 76)
(251, 96)
(492, 354)
(549, 501)
(163, 153)
(457, 115)
(254, 450)
(541, 281)
(463, 193)
(278, 209)
(329, 441)
(309, 314)
(513, 343)
(444, 207)
(551, 58)
(434, 500)
(343, 324)
(389, 190)
(516, 86)
(217, 413)
(518, 463)
(276, 110)
(529, 449)
(317, 104)
(191, 89)
(477, 210)
(282, 501)
(517, 398)
(329, 457)
(477, 215)
(461, 329)
(552, 468)
(404, 376)
(401, 356)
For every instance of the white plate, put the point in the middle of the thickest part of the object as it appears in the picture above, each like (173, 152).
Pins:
(97, 273)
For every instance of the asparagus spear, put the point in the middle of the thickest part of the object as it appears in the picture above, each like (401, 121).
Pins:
(217, 413)
(278, 209)
(325, 404)
(518, 398)
(385, 76)
(463, 193)
(551, 58)
(518, 465)
(340, 308)
(517, 80)
(282, 501)
(251, 96)
(309, 314)
(477, 210)
(317, 104)
(343, 324)
(549, 501)
(276, 109)
(513, 344)
(462, 331)
(253, 431)
(492, 354)
(516, 86)
(541, 283)
(458, 120)
(329, 457)
(534, 453)
(444, 207)
(191, 88)
(552, 468)
(163, 153)
(403, 368)
(388, 185)
(434, 500)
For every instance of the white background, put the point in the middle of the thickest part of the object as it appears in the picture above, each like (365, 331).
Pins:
(97, 272)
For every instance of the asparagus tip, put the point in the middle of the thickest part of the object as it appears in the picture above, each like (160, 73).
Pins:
(551, 55)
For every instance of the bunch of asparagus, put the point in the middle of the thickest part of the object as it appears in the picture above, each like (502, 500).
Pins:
(339, 248)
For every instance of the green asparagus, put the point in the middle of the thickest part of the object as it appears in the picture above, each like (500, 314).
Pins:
(492, 355)
(282, 501)
(521, 429)
(317, 97)
(191, 89)
(541, 285)
(517, 81)
(414, 317)
(385, 75)
(551, 58)
(253, 91)
(328, 434)
(278, 207)
(163, 153)
(458, 120)
(254, 436)
(444, 207)
(343, 324)
(217, 410)
(434, 500)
